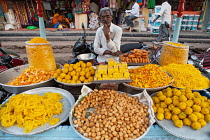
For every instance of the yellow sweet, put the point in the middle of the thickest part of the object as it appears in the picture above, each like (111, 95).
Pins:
(196, 125)
(193, 117)
(178, 123)
(160, 116)
(188, 111)
(187, 122)
(176, 110)
(181, 72)
(40, 55)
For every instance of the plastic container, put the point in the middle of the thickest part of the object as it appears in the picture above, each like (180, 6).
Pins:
(183, 27)
(184, 22)
(196, 17)
(195, 22)
(185, 17)
(194, 27)
(157, 9)
(40, 55)
(190, 22)
(191, 17)
(173, 53)
(188, 27)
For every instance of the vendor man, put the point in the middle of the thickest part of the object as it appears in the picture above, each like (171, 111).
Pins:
(108, 37)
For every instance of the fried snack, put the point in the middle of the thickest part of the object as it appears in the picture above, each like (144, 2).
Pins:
(109, 114)
(135, 56)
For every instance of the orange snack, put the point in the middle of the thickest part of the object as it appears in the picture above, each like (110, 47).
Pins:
(31, 75)
(149, 76)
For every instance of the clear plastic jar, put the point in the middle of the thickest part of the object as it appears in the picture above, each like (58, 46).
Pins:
(173, 53)
(40, 55)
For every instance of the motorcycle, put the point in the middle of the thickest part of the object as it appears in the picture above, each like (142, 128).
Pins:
(8, 59)
(199, 63)
(81, 47)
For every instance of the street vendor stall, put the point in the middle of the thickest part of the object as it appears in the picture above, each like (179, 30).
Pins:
(163, 96)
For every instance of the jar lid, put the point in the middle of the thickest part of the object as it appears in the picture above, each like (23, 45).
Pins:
(178, 45)
(37, 43)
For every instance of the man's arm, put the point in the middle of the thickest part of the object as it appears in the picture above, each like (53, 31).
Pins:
(97, 44)
(156, 18)
(114, 44)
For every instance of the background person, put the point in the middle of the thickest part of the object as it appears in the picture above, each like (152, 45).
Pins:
(165, 13)
(133, 15)
(108, 37)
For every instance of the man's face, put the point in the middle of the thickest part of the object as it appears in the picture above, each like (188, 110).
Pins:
(105, 18)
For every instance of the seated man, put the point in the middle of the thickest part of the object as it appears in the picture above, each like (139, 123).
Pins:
(108, 37)
(133, 15)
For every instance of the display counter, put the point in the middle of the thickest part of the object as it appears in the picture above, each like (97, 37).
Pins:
(67, 133)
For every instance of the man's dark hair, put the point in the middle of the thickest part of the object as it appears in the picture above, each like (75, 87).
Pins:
(105, 9)
(133, 0)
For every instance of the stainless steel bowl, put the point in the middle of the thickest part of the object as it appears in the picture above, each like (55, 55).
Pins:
(86, 57)
(12, 73)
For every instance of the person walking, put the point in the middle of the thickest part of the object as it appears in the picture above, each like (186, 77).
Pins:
(165, 13)
(133, 15)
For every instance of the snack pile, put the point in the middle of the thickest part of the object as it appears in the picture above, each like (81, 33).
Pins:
(135, 56)
(31, 75)
(187, 76)
(112, 71)
(149, 76)
(183, 107)
(108, 114)
(30, 111)
(80, 72)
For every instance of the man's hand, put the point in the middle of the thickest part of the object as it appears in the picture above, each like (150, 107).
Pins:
(107, 52)
(106, 31)
(116, 53)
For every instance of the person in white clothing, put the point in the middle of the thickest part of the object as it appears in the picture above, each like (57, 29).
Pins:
(165, 13)
(133, 15)
(108, 37)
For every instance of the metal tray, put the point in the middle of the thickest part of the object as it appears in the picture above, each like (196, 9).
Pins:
(151, 113)
(78, 84)
(112, 81)
(12, 73)
(148, 89)
(185, 132)
(68, 100)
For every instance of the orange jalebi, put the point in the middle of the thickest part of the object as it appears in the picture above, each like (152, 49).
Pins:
(149, 76)
(31, 75)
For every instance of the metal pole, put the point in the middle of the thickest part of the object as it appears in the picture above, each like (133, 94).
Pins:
(41, 20)
(178, 21)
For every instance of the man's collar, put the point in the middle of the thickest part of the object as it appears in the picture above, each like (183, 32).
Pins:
(111, 27)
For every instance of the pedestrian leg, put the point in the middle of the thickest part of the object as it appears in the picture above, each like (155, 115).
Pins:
(160, 35)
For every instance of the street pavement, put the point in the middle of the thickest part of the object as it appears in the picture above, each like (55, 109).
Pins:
(63, 41)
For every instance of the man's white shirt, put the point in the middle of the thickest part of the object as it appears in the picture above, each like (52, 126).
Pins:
(100, 43)
(135, 10)
(165, 12)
